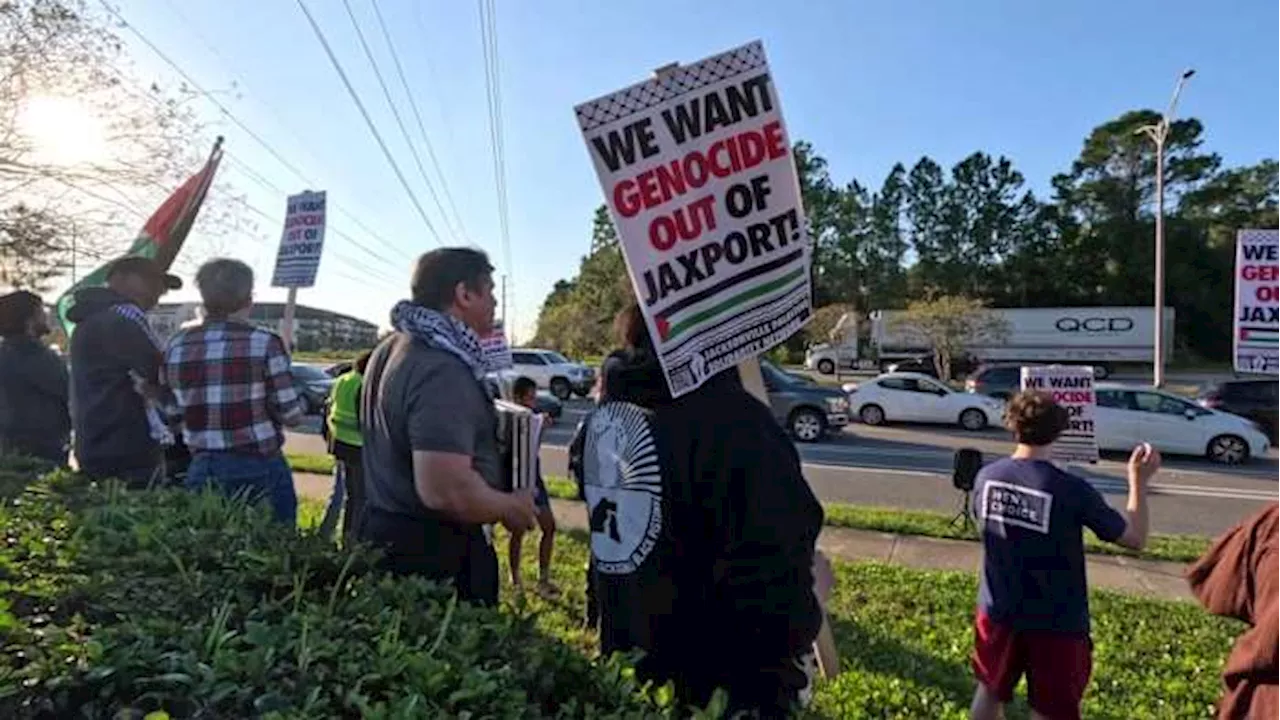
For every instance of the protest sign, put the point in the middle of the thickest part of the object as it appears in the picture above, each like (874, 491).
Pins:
(302, 241)
(697, 170)
(497, 352)
(1071, 387)
(1257, 317)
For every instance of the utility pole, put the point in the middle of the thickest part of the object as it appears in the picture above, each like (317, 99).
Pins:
(503, 300)
(1159, 133)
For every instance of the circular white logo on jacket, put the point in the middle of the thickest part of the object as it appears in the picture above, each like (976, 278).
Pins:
(623, 485)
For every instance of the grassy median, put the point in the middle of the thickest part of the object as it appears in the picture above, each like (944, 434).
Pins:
(924, 523)
(905, 635)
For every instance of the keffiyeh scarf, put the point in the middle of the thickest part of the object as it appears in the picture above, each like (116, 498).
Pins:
(443, 332)
(155, 422)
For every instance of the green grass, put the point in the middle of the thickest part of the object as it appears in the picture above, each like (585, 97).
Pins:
(325, 356)
(316, 463)
(905, 636)
(1172, 548)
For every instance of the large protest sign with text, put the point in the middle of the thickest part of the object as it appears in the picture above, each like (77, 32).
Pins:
(697, 170)
(302, 241)
(1071, 387)
(1257, 319)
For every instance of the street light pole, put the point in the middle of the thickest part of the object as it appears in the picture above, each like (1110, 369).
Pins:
(1159, 133)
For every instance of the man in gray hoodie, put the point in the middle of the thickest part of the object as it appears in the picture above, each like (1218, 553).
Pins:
(112, 351)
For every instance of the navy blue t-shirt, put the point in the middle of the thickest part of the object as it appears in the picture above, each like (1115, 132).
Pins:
(1031, 515)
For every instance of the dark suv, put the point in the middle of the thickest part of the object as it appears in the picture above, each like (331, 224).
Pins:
(998, 381)
(961, 365)
(1253, 398)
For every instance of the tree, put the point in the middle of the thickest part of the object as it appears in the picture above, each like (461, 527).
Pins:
(949, 324)
(821, 202)
(824, 320)
(577, 315)
(884, 274)
(86, 152)
(28, 238)
(1109, 196)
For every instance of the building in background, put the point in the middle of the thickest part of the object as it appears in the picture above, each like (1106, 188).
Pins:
(313, 328)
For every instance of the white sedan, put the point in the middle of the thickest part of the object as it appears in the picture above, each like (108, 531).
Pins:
(1128, 415)
(913, 397)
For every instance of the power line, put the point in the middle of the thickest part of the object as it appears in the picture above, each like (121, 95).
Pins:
(422, 130)
(353, 263)
(395, 113)
(492, 79)
(355, 97)
(257, 177)
(237, 122)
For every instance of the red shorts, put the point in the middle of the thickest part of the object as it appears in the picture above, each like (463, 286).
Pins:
(1057, 665)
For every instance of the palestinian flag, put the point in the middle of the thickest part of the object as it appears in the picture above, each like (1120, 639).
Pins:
(161, 237)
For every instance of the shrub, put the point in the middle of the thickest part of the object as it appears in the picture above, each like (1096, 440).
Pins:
(117, 604)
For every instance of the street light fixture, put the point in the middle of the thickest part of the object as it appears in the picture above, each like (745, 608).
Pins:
(1159, 133)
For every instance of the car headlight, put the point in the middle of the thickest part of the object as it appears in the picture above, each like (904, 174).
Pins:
(837, 404)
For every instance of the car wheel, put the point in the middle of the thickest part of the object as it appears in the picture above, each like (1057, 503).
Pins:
(561, 389)
(582, 393)
(826, 367)
(807, 425)
(871, 415)
(1228, 450)
(1101, 372)
(973, 420)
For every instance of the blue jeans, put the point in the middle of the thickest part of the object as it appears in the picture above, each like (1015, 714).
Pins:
(334, 509)
(259, 477)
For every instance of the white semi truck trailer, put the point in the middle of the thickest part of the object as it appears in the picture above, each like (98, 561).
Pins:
(1098, 336)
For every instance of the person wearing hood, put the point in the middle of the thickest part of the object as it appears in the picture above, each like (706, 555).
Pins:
(34, 419)
(114, 353)
(703, 534)
(1237, 578)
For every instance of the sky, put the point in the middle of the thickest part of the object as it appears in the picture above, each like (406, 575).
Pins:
(870, 84)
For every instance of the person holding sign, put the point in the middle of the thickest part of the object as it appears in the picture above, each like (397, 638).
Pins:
(525, 392)
(1033, 602)
(703, 533)
(431, 461)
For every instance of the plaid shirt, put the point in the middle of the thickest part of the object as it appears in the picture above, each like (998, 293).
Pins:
(232, 387)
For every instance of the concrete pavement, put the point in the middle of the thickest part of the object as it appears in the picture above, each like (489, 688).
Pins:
(910, 467)
(1123, 574)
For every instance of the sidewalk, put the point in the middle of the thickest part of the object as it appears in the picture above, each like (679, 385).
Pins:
(1113, 572)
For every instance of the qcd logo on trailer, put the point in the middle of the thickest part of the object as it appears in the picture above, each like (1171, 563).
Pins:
(1094, 324)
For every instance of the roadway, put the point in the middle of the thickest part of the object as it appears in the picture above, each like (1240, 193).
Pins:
(910, 467)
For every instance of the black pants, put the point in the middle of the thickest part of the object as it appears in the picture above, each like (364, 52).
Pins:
(52, 452)
(436, 549)
(593, 600)
(137, 473)
(353, 478)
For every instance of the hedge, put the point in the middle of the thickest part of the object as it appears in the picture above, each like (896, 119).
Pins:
(119, 604)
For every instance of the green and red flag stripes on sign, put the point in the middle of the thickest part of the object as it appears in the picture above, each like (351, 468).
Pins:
(1257, 316)
(162, 235)
(697, 169)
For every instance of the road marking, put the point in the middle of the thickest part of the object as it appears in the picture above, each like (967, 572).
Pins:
(1104, 484)
(871, 468)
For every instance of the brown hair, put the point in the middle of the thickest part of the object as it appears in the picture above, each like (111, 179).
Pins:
(1035, 418)
(630, 329)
